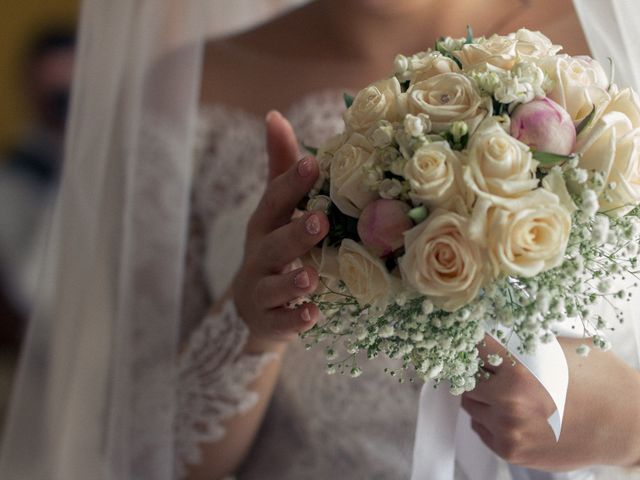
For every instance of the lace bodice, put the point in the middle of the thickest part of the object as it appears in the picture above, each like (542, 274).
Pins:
(317, 426)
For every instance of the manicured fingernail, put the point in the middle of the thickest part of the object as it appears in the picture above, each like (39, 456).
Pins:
(306, 316)
(301, 280)
(304, 167)
(312, 225)
(270, 115)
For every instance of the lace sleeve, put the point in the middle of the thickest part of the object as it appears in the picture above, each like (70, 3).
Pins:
(214, 377)
(214, 373)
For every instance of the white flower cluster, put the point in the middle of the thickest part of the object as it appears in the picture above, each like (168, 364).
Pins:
(490, 184)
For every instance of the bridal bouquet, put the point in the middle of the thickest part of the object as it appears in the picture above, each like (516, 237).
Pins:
(488, 185)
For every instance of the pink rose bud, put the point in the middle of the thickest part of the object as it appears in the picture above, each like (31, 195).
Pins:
(545, 126)
(382, 224)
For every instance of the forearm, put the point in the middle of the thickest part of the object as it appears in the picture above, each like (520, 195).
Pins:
(224, 456)
(616, 408)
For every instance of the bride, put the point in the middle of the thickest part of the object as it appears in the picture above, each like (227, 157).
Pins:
(248, 400)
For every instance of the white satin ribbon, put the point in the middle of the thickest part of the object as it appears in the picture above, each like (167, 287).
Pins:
(444, 434)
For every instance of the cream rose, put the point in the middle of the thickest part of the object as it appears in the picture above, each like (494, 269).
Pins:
(441, 262)
(499, 168)
(448, 98)
(365, 276)
(325, 260)
(533, 45)
(434, 172)
(327, 150)
(348, 190)
(612, 146)
(498, 51)
(378, 101)
(425, 65)
(528, 241)
(579, 83)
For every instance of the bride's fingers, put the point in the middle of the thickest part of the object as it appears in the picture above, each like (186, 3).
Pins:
(293, 240)
(282, 144)
(284, 323)
(277, 290)
(283, 195)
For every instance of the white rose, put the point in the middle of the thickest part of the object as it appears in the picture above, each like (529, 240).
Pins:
(378, 101)
(425, 65)
(348, 174)
(579, 84)
(612, 146)
(499, 168)
(326, 152)
(554, 182)
(365, 276)
(325, 260)
(531, 45)
(447, 98)
(433, 174)
(498, 51)
(528, 241)
(441, 262)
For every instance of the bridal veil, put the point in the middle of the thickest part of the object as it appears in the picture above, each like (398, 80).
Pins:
(95, 393)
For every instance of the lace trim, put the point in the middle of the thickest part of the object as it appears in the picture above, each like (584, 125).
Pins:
(214, 375)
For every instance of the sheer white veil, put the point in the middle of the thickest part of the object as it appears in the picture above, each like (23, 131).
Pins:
(95, 393)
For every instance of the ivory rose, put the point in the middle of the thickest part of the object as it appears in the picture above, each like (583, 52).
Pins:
(528, 241)
(448, 98)
(579, 84)
(382, 225)
(429, 64)
(499, 167)
(348, 190)
(612, 146)
(365, 276)
(325, 260)
(441, 262)
(433, 173)
(378, 101)
(533, 45)
(498, 51)
(326, 152)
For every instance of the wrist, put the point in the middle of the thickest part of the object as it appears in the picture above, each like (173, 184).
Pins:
(257, 345)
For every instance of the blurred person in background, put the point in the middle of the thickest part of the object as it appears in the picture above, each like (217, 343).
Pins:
(29, 175)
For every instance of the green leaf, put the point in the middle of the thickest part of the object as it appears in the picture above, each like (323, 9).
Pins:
(312, 150)
(469, 35)
(418, 214)
(348, 99)
(586, 121)
(548, 159)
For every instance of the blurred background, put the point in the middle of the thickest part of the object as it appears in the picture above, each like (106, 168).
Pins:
(36, 63)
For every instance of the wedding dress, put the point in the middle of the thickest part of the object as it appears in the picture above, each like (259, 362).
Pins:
(98, 394)
(317, 426)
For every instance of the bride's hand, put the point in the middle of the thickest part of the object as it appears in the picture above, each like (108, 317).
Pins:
(601, 423)
(267, 281)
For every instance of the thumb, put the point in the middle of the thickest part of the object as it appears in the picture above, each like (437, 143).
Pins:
(282, 144)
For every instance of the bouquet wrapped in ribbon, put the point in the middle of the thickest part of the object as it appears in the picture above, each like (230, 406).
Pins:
(489, 185)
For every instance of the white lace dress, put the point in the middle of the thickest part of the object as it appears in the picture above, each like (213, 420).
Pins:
(317, 426)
